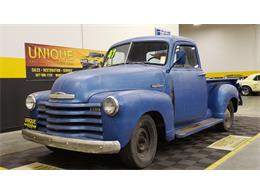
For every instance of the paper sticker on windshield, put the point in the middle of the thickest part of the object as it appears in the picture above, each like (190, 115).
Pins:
(162, 59)
(111, 54)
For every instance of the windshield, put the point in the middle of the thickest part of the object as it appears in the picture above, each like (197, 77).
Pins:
(138, 53)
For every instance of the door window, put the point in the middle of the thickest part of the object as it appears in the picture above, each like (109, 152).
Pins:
(191, 60)
(257, 78)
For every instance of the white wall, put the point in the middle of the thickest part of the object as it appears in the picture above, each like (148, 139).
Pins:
(225, 48)
(258, 46)
(103, 36)
(13, 37)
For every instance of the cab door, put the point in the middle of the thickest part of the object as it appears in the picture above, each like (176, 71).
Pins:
(189, 86)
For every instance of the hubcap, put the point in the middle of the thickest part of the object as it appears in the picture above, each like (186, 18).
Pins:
(245, 91)
(143, 142)
(227, 119)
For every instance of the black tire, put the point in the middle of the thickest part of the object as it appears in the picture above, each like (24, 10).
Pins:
(246, 90)
(57, 150)
(228, 118)
(141, 149)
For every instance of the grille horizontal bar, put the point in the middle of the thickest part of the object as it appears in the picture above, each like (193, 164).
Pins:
(78, 112)
(42, 116)
(74, 120)
(70, 127)
(42, 122)
(79, 105)
(41, 109)
(71, 119)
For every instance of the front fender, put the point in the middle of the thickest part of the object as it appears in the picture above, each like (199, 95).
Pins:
(219, 98)
(133, 104)
(39, 96)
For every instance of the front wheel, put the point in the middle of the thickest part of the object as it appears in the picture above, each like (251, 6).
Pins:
(228, 118)
(246, 90)
(57, 150)
(141, 149)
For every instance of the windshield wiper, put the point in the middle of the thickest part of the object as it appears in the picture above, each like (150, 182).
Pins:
(144, 63)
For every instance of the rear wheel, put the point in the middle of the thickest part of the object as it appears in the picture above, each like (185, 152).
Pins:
(246, 90)
(228, 118)
(141, 149)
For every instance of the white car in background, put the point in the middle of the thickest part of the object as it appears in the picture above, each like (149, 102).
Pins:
(250, 84)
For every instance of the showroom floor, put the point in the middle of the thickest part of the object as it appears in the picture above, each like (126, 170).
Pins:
(189, 153)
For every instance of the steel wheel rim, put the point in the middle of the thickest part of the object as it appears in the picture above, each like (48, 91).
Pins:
(245, 91)
(227, 119)
(143, 143)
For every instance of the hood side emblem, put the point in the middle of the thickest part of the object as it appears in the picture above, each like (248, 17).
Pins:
(61, 95)
(157, 85)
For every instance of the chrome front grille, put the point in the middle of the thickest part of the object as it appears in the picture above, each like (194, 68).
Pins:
(73, 120)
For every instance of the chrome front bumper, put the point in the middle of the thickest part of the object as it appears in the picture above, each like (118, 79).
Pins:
(79, 145)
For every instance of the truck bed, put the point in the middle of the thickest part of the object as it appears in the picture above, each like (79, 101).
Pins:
(232, 81)
(216, 81)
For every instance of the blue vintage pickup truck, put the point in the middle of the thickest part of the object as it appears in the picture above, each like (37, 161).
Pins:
(150, 89)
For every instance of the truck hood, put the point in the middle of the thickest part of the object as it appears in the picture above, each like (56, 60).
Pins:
(86, 83)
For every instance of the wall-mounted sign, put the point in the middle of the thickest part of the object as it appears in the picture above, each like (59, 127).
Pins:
(159, 31)
(46, 62)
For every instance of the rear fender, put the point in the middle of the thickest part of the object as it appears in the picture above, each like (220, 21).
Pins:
(219, 98)
(134, 104)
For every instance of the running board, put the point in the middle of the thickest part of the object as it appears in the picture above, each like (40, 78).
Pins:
(196, 127)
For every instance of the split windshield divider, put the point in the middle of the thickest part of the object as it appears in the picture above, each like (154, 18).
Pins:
(130, 46)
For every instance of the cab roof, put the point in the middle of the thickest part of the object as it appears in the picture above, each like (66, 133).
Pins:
(166, 38)
(253, 75)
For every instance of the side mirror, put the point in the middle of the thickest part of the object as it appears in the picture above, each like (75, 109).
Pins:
(180, 59)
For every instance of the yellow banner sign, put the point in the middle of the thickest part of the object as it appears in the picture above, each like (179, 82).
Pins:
(50, 62)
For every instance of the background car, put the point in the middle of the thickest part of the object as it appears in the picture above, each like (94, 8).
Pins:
(250, 84)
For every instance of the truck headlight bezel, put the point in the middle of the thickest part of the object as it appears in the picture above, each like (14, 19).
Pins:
(110, 106)
(30, 102)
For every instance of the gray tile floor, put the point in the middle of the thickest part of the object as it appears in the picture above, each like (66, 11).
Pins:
(251, 106)
(246, 159)
(13, 142)
(189, 153)
(182, 154)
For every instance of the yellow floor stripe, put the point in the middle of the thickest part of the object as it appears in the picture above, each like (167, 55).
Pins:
(232, 153)
(37, 166)
(2, 168)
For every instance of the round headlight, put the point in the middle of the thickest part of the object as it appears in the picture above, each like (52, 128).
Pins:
(110, 106)
(30, 102)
